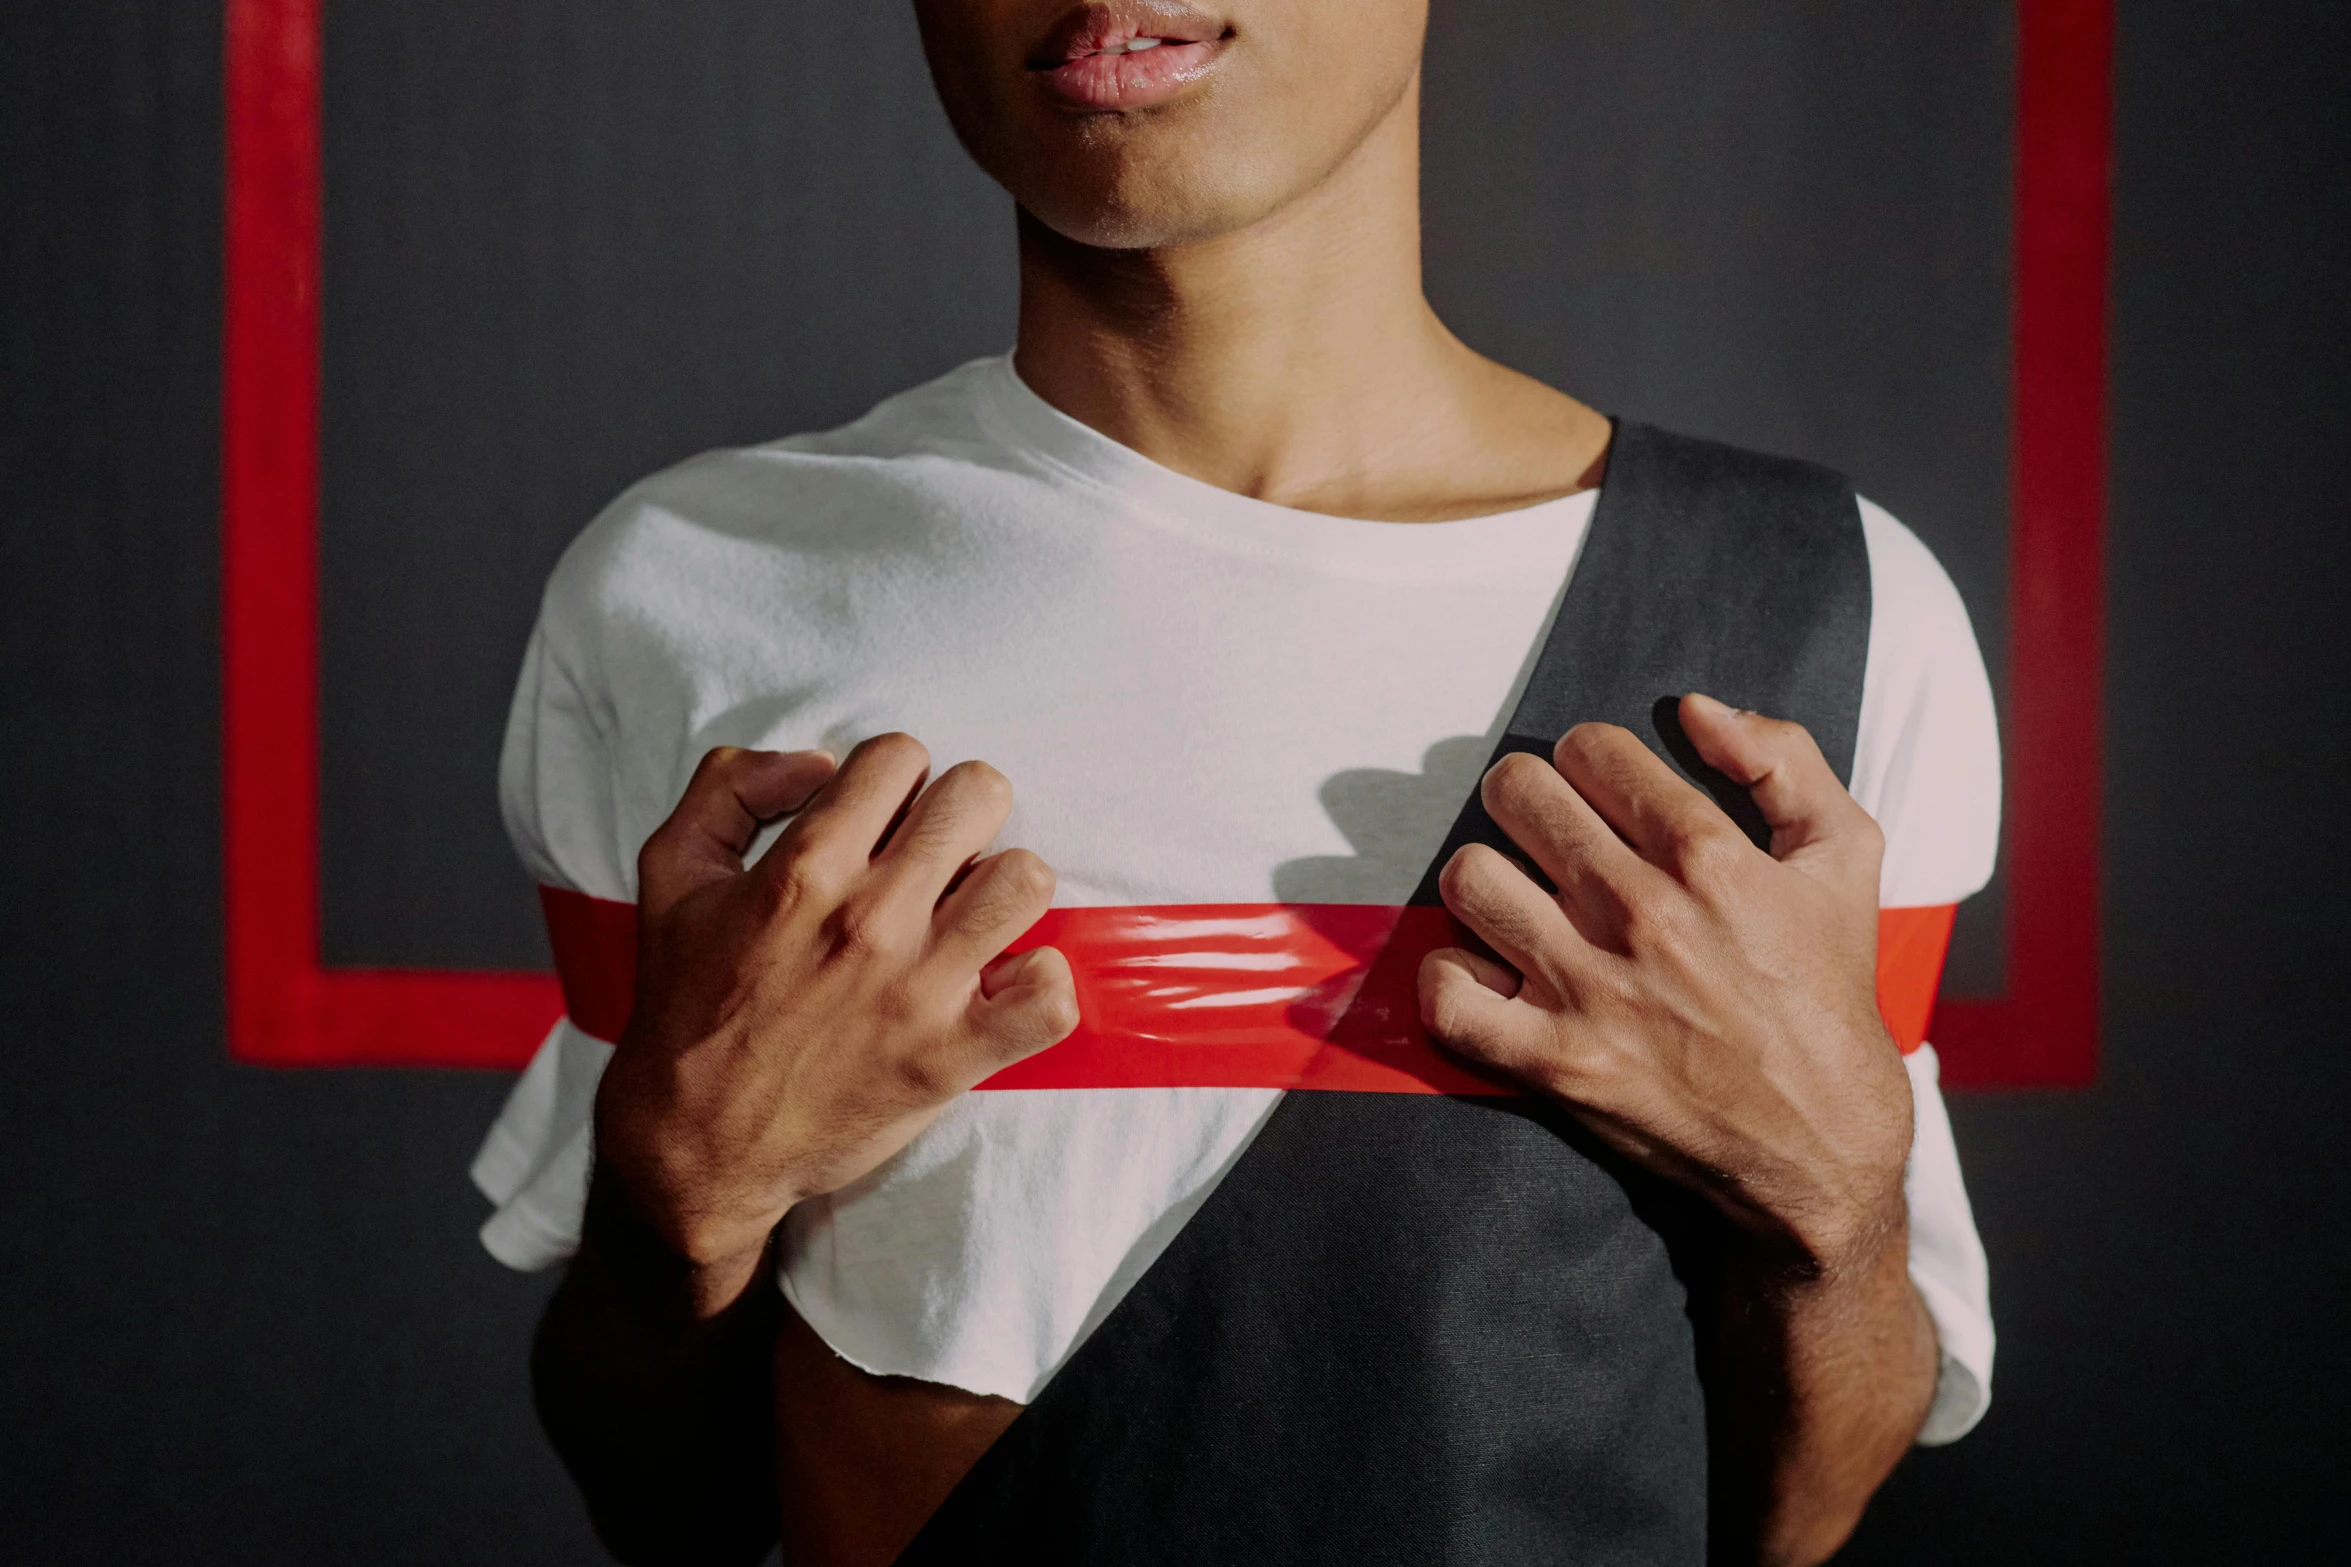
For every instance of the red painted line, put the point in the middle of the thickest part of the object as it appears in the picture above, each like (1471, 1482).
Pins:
(269, 504)
(285, 1007)
(2044, 1031)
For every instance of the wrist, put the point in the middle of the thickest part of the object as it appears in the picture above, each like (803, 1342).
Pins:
(685, 1282)
(1850, 1207)
(655, 1196)
(1832, 1244)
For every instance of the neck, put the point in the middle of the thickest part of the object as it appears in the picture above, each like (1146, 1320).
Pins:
(1297, 360)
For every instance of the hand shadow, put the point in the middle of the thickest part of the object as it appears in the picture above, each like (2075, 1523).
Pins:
(1395, 822)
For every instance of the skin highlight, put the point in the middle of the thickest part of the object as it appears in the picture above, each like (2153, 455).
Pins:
(1227, 280)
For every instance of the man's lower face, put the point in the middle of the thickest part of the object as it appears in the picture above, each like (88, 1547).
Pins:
(1136, 123)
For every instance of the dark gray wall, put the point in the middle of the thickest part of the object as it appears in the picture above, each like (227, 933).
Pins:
(242, 1318)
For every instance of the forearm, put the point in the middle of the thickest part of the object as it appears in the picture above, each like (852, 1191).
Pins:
(1819, 1382)
(659, 1398)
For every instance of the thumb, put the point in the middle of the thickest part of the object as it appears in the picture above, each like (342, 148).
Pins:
(1026, 1001)
(1815, 822)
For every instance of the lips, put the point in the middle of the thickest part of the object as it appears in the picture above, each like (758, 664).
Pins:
(1130, 54)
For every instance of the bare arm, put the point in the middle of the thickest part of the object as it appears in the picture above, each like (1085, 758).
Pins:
(1820, 1381)
(797, 1022)
(662, 1413)
(1710, 1010)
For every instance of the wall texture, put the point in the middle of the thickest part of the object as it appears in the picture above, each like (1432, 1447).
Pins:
(242, 1317)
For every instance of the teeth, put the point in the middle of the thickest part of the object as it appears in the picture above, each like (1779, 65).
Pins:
(1138, 45)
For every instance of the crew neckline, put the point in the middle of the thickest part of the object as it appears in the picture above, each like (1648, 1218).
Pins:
(1545, 533)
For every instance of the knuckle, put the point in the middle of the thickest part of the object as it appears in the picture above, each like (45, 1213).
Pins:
(1467, 872)
(1591, 741)
(898, 1010)
(1057, 1012)
(1014, 884)
(926, 834)
(1656, 923)
(1519, 769)
(1642, 923)
(861, 928)
(807, 880)
(898, 747)
(654, 853)
(1586, 735)
(719, 761)
(1446, 1011)
(1517, 781)
(983, 782)
(1708, 853)
(1025, 875)
(688, 1235)
(1788, 737)
(1869, 835)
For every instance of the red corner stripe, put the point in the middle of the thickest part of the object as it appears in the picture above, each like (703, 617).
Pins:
(1229, 995)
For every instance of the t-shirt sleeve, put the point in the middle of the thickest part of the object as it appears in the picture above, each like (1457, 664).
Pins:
(555, 790)
(1947, 1265)
(1927, 766)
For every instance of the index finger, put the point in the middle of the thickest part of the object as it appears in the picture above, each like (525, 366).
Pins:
(731, 794)
(843, 827)
(1661, 814)
(1598, 876)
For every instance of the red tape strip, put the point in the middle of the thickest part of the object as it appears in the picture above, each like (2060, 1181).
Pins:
(1230, 995)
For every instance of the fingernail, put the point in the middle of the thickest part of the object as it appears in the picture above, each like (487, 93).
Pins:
(1709, 706)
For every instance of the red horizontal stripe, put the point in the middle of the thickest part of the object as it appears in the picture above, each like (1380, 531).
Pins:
(1247, 995)
(1911, 945)
(595, 942)
(1230, 995)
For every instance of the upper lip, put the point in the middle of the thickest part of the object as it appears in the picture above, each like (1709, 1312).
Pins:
(1090, 29)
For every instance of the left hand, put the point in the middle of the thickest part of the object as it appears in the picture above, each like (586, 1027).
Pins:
(1706, 1007)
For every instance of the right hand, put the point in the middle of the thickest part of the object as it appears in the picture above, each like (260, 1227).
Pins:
(799, 1021)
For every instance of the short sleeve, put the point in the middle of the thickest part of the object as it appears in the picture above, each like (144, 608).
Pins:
(555, 790)
(1927, 761)
(1927, 766)
(555, 776)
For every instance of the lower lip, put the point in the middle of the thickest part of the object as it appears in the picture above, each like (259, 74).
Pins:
(1131, 81)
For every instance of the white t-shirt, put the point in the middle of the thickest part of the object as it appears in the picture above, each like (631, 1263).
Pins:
(1199, 699)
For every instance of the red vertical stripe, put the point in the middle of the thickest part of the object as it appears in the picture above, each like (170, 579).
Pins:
(283, 1006)
(2045, 1029)
(269, 502)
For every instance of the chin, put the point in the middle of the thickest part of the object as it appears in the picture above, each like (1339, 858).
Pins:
(1152, 203)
